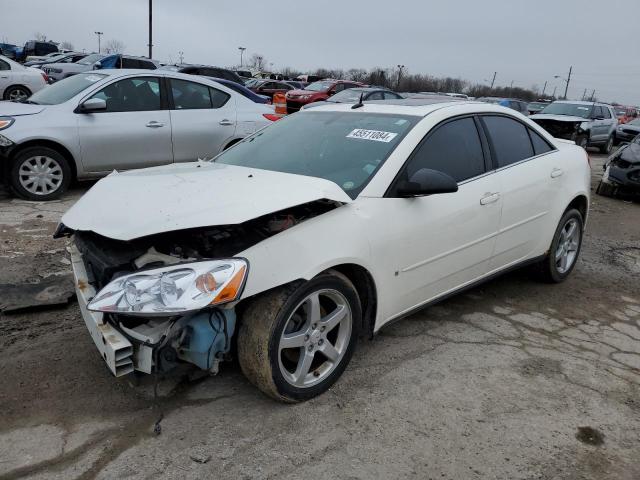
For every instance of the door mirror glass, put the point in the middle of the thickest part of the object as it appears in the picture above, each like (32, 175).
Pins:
(427, 182)
(93, 105)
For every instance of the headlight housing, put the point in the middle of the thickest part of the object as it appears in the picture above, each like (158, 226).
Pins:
(6, 122)
(173, 289)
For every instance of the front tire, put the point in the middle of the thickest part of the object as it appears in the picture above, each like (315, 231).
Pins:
(565, 248)
(39, 174)
(294, 342)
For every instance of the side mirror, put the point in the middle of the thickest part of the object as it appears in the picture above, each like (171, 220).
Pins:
(93, 105)
(97, 65)
(427, 182)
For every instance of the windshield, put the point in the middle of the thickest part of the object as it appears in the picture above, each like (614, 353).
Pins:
(536, 106)
(345, 148)
(91, 59)
(570, 109)
(495, 101)
(58, 56)
(347, 96)
(65, 89)
(635, 121)
(319, 86)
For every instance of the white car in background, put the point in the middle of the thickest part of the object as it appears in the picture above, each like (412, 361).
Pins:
(332, 222)
(95, 122)
(18, 82)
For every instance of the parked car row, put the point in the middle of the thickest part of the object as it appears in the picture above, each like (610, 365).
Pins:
(18, 82)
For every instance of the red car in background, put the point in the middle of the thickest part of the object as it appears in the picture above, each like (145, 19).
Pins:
(317, 92)
(270, 87)
(625, 114)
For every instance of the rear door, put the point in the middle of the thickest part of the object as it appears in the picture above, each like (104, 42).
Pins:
(134, 131)
(530, 180)
(5, 76)
(203, 119)
(599, 128)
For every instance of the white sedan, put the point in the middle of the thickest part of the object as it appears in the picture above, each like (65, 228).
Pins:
(18, 82)
(326, 225)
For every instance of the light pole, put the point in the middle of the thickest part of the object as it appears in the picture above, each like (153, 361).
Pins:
(566, 80)
(181, 55)
(259, 58)
(99, 34)
(242, 49)
(494, 79)
(400, 67)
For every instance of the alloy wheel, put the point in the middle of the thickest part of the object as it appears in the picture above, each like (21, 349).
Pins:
(315, 338)
(568, 244)
(40, 175)
(18, 94)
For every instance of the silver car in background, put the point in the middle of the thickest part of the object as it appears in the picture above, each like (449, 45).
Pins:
(92, 123)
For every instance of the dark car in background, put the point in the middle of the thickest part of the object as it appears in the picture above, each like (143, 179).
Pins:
(317, 92)
(34, 48)
(205, 70)
(622, 171)
(513, 103)
(9, 50)
(626, 132)
(242, 90)
(270, 87)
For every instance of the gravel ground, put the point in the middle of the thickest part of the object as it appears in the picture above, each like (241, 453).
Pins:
(511, 380)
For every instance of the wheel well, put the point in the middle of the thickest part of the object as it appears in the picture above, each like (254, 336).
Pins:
(366, 288)
(581, 204)
(17, 85)
(49, 144)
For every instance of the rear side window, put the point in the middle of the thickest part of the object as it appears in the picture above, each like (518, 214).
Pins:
(509, 139)
(131, 95)
(4, 65)
(453, 148)
(218, 98)
(540, 145)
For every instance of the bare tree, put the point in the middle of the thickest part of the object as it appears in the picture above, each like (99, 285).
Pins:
(40, 37)
(257, 61)
(114, 46)
(66, 45)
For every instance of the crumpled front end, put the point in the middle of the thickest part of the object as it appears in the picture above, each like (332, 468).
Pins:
(567, 130)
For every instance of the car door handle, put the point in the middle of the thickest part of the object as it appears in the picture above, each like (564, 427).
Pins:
(556, 172)
(154, 124)
(226, 122)
(489, 198)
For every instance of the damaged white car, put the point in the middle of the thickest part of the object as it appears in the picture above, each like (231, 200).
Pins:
(319, 229)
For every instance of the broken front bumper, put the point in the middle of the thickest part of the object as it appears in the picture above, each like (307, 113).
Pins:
(114, 347)
(201, 338)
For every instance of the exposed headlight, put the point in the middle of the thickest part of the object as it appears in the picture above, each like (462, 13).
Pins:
(6, 122)
(173, 289)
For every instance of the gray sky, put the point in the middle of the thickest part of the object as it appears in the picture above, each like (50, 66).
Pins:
(523, 40)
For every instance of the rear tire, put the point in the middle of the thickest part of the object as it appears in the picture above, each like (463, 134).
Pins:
(294, 347)
(39, 174)
(565, 248)
(605, 189)
(17, 93)
(607, 147)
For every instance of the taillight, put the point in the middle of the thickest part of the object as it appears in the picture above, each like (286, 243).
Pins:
(271, 116)
(46, 78)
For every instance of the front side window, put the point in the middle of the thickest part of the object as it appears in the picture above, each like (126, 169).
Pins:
(132, 95)
(605, 112)
(509, 139)
(453, 148)
(345, 148)
(375, 96)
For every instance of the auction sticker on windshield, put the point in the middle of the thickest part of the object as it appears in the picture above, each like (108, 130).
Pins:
(375, 135)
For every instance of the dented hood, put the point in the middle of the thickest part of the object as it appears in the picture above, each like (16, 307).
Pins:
(134, 204)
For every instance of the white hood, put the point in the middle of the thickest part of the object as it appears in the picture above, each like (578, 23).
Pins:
(558, 118)
(134, 204)
(16, 109)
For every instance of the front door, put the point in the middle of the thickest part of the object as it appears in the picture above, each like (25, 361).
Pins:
(133, 132)
(432, 245)
(203, 120)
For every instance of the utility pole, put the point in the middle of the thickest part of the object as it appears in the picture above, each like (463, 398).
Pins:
(181, 55)
(511, 89)
(584, 95)
(242, 49)
(150, 28)
(544, 88)
(553, 95)
(494, 79)
(99, 34)
(593, 95)
(400, 67)
(566, 88)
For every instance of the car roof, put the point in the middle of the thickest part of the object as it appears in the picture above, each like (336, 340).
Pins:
(582, 102)
(408, 106)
